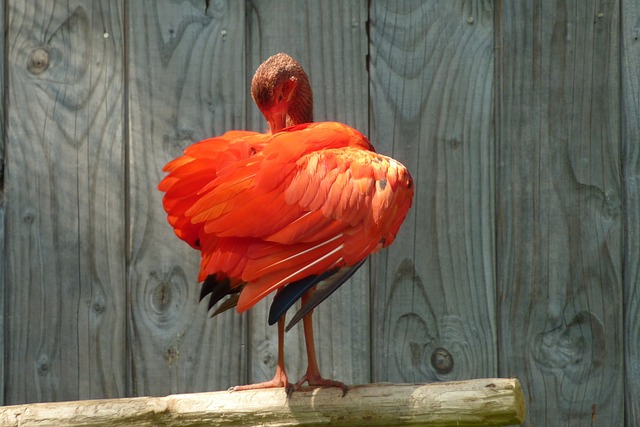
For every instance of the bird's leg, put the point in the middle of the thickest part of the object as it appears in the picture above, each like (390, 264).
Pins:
(280, 379)
(312, 376)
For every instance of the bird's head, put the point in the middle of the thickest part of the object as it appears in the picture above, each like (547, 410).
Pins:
(281, 89)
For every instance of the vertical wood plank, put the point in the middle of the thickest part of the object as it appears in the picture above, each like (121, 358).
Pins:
(65, 319)
(431, 90)
(187, 83)
(631, 182)
(2, 203)
(559, 209)
(329, 40)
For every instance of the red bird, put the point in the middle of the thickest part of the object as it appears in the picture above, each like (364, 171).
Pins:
(296, 210)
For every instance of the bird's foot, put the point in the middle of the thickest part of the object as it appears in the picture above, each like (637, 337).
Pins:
(279, 380)
(316, 380)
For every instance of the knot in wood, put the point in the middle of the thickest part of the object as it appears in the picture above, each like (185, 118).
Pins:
(43, 365)
(161, 297)
(38, 61)
(29, 216)
(172, 354)
(441, 360)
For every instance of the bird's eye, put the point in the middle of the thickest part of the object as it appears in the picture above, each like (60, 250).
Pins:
(280, 96)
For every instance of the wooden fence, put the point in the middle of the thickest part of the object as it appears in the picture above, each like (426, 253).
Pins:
(520, 122)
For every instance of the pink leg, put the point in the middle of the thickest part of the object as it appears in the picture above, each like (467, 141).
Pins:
(312, 376)
(280, 379)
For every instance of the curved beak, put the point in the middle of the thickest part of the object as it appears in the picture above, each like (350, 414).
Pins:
(277, 120)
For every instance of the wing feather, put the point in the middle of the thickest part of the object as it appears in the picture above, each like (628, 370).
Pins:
(195, 169)
(310, 262)
(270, 210)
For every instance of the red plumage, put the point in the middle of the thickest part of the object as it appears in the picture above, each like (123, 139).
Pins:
(270, 209)
(286, 210)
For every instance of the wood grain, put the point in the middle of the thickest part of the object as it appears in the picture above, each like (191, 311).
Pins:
(518, 120)
(2, 208)
(65, 318)
(631, 182)
(431, 89)
(487, 402)
(329, 40)
(186, 84)
(559, 209)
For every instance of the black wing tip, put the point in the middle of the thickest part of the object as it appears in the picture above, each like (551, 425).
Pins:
(322, 293)
(292, 292)
(287, 297)
(208, 285)
(227, 304)
(215, 289)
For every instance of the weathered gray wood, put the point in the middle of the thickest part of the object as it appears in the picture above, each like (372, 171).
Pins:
(2, 204)
(187, 83)
(329, 40)
(631, 181)
(65, 318)
(431, 88)
(559, 209)
(487, 402)
(567, 246)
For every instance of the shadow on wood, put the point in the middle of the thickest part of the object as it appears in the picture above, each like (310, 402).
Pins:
(492, 401)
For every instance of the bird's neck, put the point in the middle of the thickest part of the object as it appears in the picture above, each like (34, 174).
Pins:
(301, 107)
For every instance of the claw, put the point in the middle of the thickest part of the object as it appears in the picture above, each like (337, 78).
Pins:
(279, 380)
(316, 380)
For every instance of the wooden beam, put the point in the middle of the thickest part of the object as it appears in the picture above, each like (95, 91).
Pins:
(490, 402)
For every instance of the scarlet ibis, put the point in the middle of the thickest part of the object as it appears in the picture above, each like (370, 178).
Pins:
(294, 211)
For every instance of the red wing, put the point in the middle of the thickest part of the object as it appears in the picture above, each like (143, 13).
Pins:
(250, 200)
(353, 202)
(197, 167)
(334, 207)
(361, 190)
(313, 197)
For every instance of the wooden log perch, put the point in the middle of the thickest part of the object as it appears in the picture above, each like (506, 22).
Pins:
(487, 402)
